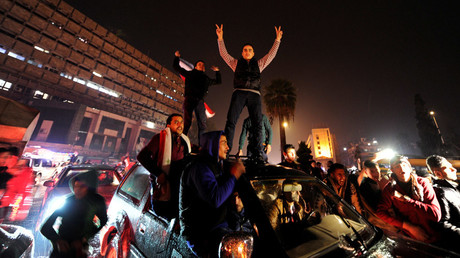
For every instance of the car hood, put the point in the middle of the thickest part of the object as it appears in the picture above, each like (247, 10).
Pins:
(397, 246)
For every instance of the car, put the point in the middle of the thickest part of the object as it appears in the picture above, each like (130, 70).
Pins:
(332, 227)
(58, 190)
(16, 241)
(43, 168)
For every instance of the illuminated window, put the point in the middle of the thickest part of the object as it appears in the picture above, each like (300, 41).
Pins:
(4, 85)
(2, 50)
(33, 62)
(14, 55)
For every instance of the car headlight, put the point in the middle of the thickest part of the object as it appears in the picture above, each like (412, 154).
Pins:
(237, 244)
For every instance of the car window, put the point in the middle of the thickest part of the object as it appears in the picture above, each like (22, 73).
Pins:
(36, 162)
(137, 183)
(47, 163)
(308, 218)
(105, 177)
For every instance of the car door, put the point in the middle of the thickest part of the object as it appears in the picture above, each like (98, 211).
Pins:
(152, 234)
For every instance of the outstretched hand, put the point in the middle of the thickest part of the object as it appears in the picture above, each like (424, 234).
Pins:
(177, 53)
(214, 68)
(220, 32)
(279, 33)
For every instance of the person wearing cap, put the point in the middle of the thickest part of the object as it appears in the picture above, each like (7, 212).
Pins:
(448, 193)
(409, 202)
(290, 207)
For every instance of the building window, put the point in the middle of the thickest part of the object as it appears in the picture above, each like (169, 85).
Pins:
(4, 85)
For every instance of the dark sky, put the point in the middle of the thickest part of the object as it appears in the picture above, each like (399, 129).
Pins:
(356, 64)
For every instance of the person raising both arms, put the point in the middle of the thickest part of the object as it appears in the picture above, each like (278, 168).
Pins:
(247, 86)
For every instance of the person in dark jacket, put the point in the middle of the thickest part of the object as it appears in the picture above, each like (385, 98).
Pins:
(247, 85)
(196, 88)
(338, 181)
(290, 157)
(204, 189)
(83, 215)
(448, 193)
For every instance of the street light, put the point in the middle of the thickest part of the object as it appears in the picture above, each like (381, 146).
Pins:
(437, 127)
(285, 124)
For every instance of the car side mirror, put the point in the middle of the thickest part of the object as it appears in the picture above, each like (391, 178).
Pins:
(236, 244)
(49, 183)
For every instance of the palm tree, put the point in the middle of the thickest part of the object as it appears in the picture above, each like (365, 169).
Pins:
(280, 98)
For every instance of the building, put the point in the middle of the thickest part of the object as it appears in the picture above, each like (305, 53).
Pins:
(323, 145)
(94, 90)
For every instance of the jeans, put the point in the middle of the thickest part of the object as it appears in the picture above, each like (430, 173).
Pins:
(194, 104)
(253, 102)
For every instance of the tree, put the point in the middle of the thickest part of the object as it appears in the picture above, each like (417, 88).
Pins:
(280, 98)
(304, 155)
(430, 141)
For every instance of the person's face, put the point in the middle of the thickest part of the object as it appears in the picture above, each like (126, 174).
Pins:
(80, 189)
(446, 171)
(402, 171)
(293, 196)
(4, 156)
(200, 66)
(248, 52)
(374, 173)
(223, 147)
(236, 201)
(339, 176)
(176, 125)
(313, 164)
(290, 155)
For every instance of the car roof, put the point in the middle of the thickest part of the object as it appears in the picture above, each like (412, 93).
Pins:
(269, 171)
(89, 166)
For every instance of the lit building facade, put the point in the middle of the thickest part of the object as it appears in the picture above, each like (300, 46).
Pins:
(322, 144)
(93, 89)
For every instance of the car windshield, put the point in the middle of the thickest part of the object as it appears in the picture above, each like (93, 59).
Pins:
(105, 177)
(308, 219)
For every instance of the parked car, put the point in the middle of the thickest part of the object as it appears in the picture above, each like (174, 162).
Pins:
(43, 168)
(332, 228)
(16, 241)
(58, 190)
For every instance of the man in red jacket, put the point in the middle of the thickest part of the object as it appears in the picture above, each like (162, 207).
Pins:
(409, 202)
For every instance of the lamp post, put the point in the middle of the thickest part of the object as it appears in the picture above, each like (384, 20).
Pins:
(439, 131)
(283, 126)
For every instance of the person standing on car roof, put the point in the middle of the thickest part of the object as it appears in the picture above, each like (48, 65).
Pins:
(196, 88)
(83, 215)
(247, 86)
(248, 129)
(162, 157)
(204, 189)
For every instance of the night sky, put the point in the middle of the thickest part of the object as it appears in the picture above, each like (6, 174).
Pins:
(356, 64)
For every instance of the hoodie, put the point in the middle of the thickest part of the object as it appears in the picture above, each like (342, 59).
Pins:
(78, 214)
(203, 191)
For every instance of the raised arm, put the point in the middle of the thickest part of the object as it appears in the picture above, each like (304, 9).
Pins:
(223, 50)
(177, 66)
(268, 58)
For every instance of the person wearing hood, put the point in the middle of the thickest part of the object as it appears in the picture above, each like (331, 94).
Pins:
(83, 215)
(204, 189)
(196, 88)
(163, 157)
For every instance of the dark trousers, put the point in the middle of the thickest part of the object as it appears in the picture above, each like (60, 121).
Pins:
(253, 102)
(192, 104)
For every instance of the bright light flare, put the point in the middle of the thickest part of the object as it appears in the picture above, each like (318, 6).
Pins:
(285, 124)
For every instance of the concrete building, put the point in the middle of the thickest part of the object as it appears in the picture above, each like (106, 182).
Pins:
(322, 145)
(94, 90)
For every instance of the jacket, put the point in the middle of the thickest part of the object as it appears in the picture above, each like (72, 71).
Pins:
(419, 212)
(78, 214)
(204, 189)
(247, 75)
(196, 82)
